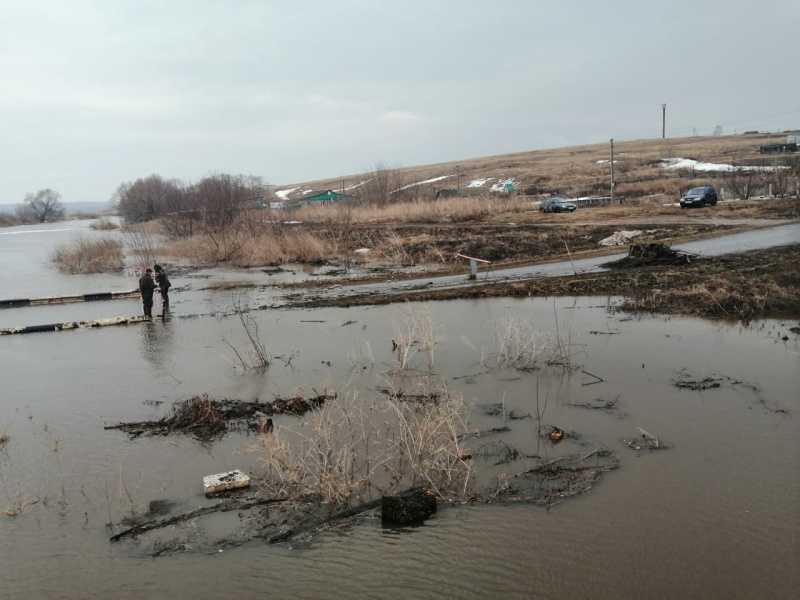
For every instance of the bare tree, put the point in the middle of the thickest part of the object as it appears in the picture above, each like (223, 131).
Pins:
(224, 202)
(45, 205)
(181, 212)
(145, 199)
(385, 185)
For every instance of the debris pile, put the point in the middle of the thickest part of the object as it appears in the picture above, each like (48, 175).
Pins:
(560, 478)
(643, 255)
(206, 417)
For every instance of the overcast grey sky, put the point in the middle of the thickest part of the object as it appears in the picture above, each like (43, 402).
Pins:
(95, 93)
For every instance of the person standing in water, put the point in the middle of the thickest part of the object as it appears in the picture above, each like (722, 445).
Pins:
(146, 288)
(162, 281)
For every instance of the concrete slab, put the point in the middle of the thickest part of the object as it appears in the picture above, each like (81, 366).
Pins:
(213, 484)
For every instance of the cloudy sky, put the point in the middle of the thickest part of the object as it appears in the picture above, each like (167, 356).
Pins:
(95, 93)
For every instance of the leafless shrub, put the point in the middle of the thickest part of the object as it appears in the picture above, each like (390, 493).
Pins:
(382, 184)
(82, 254)
(4, 438)
(414, 333)
(353, 446)
(517, 344)
(743, 183)
(259, 357)
(104, 224)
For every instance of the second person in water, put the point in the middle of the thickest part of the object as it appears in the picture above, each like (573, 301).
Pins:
(162, 281)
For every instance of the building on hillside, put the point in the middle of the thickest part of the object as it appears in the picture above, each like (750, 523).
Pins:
(323, 197)
(462, 192)
(778, 148)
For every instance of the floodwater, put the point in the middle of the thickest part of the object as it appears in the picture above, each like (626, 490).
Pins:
(716, 515)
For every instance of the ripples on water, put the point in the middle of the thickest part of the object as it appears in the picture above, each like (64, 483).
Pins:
(716, 515)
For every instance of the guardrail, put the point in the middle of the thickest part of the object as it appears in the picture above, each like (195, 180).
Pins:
(47, 300)
(73, 325)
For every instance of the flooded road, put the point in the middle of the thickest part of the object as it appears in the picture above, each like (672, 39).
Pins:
(714, 516)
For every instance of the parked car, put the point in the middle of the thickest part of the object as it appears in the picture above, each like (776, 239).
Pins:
(700, 196)
(557, 205)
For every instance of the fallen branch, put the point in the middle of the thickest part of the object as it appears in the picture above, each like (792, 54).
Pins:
(320, 521)
(225, 506)
(599, 379)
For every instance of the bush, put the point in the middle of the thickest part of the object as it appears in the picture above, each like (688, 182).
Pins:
(82, 254)
(104, 224)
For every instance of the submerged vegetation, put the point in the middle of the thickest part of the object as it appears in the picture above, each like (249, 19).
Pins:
(331, 456)
(84, 254)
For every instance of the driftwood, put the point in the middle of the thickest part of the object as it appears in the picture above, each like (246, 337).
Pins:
(347, 513)
(597, 379)
(602, 404)
(497, 409)
(698, 384)
(227, 505)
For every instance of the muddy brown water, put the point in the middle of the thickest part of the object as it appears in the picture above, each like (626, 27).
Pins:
(715, 516)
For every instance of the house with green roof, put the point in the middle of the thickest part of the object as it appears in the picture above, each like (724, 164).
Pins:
(324, 197)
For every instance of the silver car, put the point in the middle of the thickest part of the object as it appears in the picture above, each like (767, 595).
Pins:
(557, 205)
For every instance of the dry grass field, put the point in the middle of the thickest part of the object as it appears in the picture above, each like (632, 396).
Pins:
(582, 170)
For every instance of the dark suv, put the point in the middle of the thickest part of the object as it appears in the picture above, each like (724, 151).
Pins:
(700, 196)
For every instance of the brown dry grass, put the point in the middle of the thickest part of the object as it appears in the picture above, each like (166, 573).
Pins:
(261, 248)
(573, 169)
(450, 210)
(82, 254)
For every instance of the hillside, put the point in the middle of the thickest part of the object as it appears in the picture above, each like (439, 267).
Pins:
(576, 170)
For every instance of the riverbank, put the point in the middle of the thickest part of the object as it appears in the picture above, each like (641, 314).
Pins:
(760, 283)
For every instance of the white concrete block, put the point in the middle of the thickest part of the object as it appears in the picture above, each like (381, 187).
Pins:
(225, 481)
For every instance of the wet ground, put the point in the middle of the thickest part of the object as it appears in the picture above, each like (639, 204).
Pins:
(715, 515)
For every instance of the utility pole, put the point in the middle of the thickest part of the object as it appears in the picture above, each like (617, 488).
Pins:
(663, 121)
(612, 170)
(458, 182)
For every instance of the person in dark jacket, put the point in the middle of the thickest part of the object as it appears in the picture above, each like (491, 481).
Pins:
(162, 281)
(146, 287)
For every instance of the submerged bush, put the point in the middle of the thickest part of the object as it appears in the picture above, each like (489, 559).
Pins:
(82, 254)
(104, 224)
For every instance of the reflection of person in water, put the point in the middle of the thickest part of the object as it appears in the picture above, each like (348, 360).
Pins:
(157, 347)
(146, 287)
(162, 281)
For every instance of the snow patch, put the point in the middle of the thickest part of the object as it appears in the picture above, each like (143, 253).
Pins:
(352, 187)
(434, 180)
(479, 182)
(282, 194)
(690, 163)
